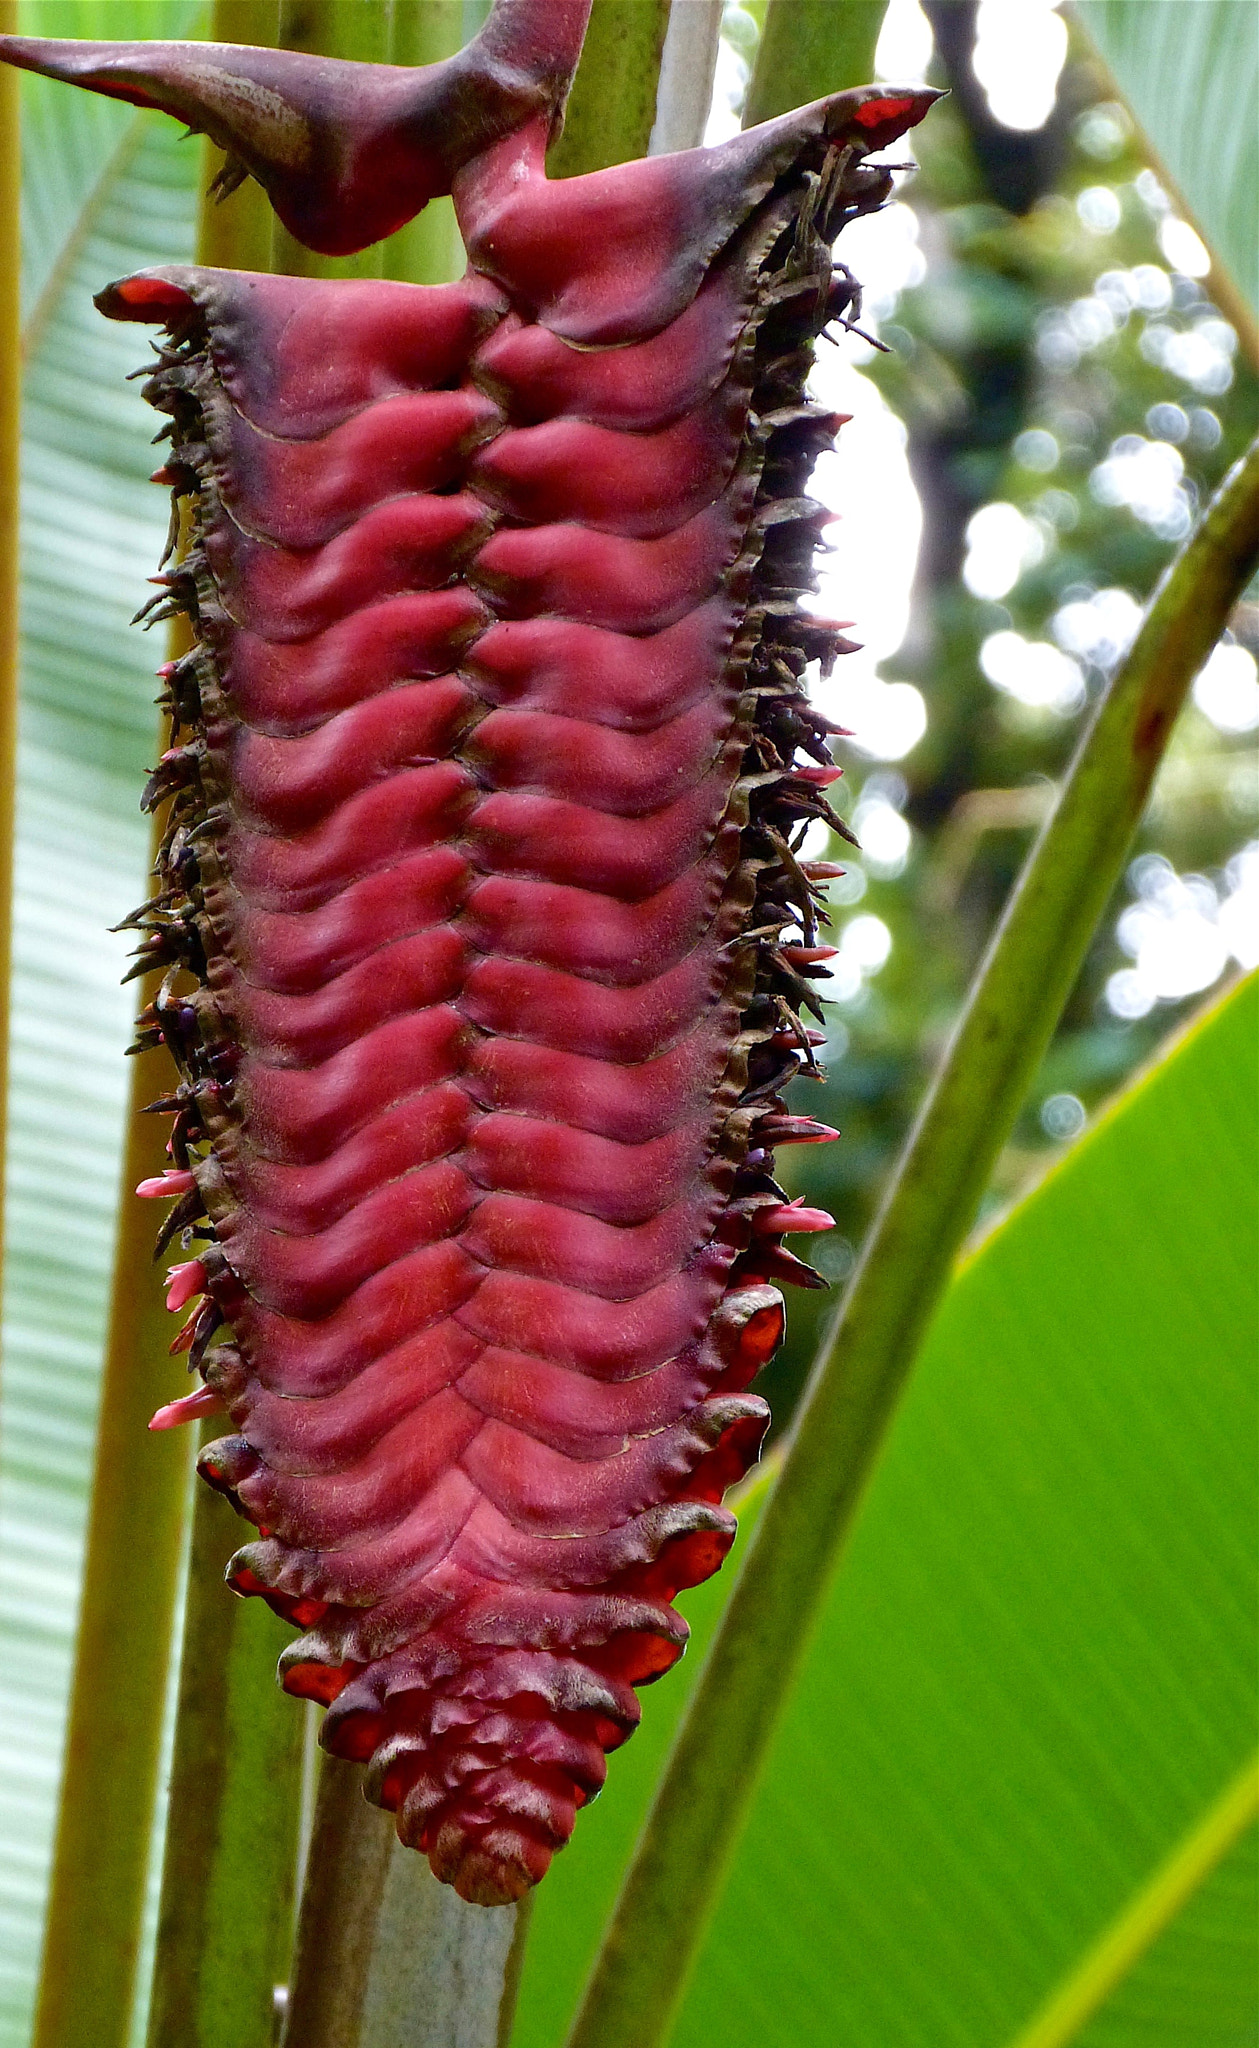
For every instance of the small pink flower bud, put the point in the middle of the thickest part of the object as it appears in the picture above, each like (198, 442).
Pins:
(184, 1281)
(176, 1182)
(189, 1408)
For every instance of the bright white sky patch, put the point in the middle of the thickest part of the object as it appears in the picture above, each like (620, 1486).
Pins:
(1181, 932)
(868, 577)
(884, 834)
(865, 945)
(1020, 48)
(1146, 476)
(1037, 674)
(905, 44)
(1184, 249)
(1238, 914)
(1227, 689)
(1100, 628)
(881, 250)
(1000, 544)
(886, 720)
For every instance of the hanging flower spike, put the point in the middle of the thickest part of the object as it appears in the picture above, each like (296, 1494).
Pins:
(487, 925)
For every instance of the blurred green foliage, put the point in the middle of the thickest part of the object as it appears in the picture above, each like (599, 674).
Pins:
(1040, 346)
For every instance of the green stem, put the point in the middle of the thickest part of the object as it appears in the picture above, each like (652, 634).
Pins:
(386, 1954)
(429, 249)
(809, 48)
(358, 29)
(231, 1840)
(612, 105)
(870, 1348)
(122, 1653)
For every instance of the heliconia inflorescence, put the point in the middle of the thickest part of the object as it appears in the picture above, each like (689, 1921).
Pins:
(485, 938)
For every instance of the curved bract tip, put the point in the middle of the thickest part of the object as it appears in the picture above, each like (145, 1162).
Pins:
(346, 152)
(616, 254)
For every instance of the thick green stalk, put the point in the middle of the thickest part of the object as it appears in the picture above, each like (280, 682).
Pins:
(10, 403)
(231, 1840)
(612, 105)
(809, 48)
(386, 1956)
(122, 1652)
(870, 1348)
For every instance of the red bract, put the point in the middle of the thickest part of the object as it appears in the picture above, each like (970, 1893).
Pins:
(477, 901)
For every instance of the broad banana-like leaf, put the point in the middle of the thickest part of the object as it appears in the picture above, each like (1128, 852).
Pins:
(1028, 1708)
(105, 190)
(1034, 1677)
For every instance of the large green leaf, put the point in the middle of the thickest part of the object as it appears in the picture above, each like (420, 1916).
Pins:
(1189, 70)
(101, 196)
(1035, 1674)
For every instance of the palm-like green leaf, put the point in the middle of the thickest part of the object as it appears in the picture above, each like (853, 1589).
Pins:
(92, 530)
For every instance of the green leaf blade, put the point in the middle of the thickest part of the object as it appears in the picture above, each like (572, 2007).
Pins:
(1195, 1983)
(1036, 1671)
(1190, 73)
